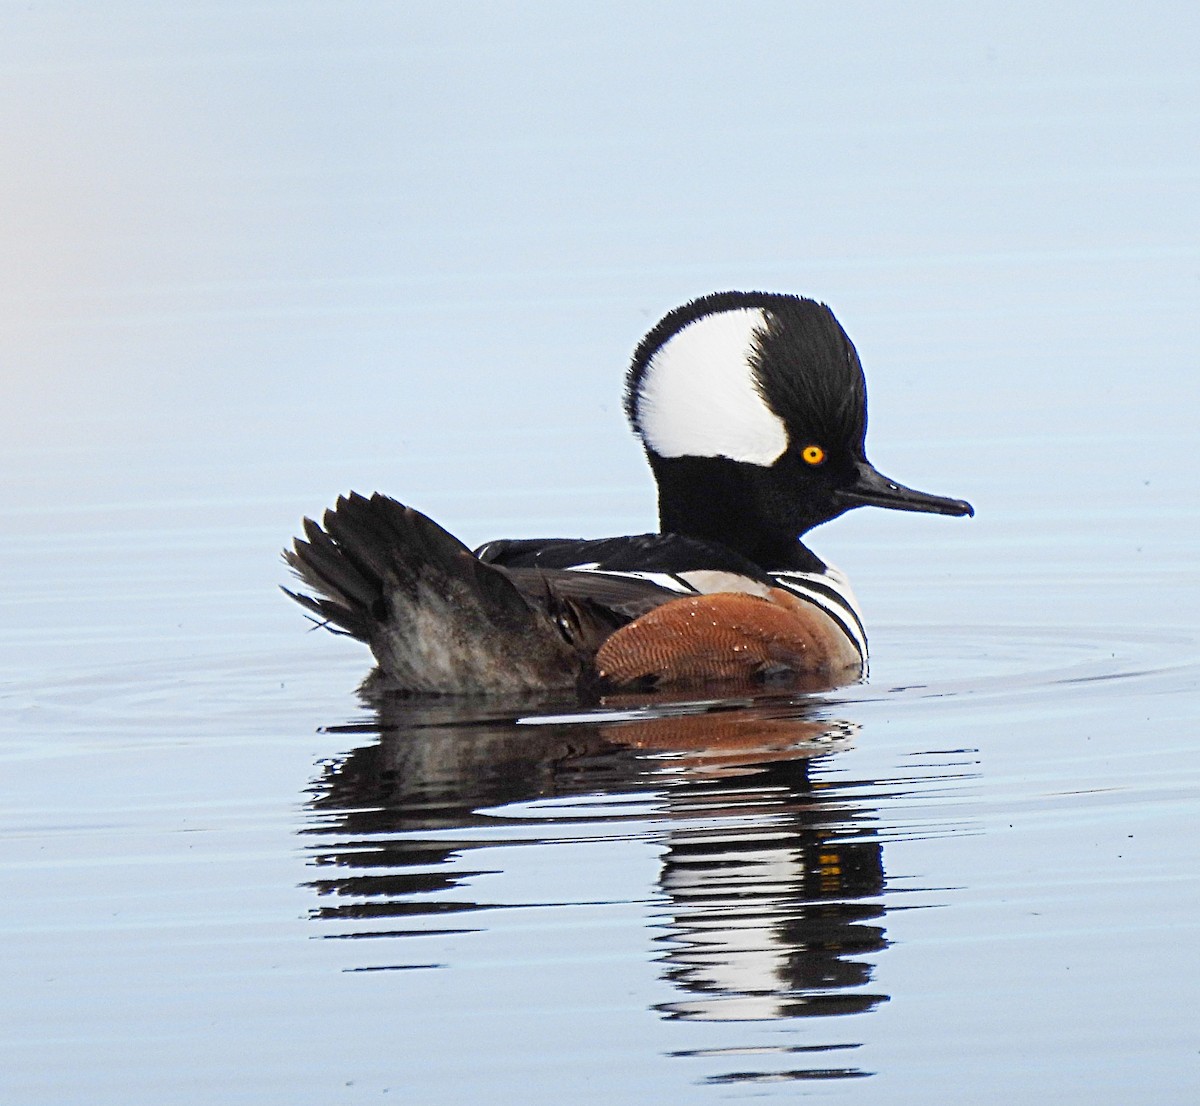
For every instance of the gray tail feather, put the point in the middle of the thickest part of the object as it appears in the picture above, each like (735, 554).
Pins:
(437, 618)
(348, 579)
(370, 546)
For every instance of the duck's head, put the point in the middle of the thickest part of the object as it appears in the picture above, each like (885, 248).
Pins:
(753, 410)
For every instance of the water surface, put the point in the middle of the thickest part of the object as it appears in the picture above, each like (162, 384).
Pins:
(256, 262)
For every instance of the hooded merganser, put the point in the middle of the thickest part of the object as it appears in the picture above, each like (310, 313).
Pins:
(752, 408)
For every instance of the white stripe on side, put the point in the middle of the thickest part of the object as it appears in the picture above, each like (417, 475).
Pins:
(830, 590)
(662, 579)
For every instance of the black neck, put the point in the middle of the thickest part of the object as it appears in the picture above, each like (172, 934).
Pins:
(721, 501)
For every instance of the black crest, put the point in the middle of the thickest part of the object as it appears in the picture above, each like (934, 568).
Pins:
(811, 375)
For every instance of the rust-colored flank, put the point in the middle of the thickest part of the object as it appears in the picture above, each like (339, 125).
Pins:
(724, 636)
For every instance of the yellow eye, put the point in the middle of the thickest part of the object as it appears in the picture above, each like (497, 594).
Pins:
(813, 454)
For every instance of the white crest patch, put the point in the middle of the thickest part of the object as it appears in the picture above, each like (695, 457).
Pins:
(698, 396)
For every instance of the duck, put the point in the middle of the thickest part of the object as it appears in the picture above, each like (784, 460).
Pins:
(752, 411)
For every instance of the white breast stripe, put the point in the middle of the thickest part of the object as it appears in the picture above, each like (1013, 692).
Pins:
(831, 580)
(831, 592)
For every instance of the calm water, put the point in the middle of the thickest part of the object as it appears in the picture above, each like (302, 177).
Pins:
(253, 261)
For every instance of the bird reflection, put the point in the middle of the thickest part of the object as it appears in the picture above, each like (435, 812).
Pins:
(774, 919)
(770, 882)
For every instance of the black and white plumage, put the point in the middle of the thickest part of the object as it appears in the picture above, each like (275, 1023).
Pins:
(752, 411)
(684, 566)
